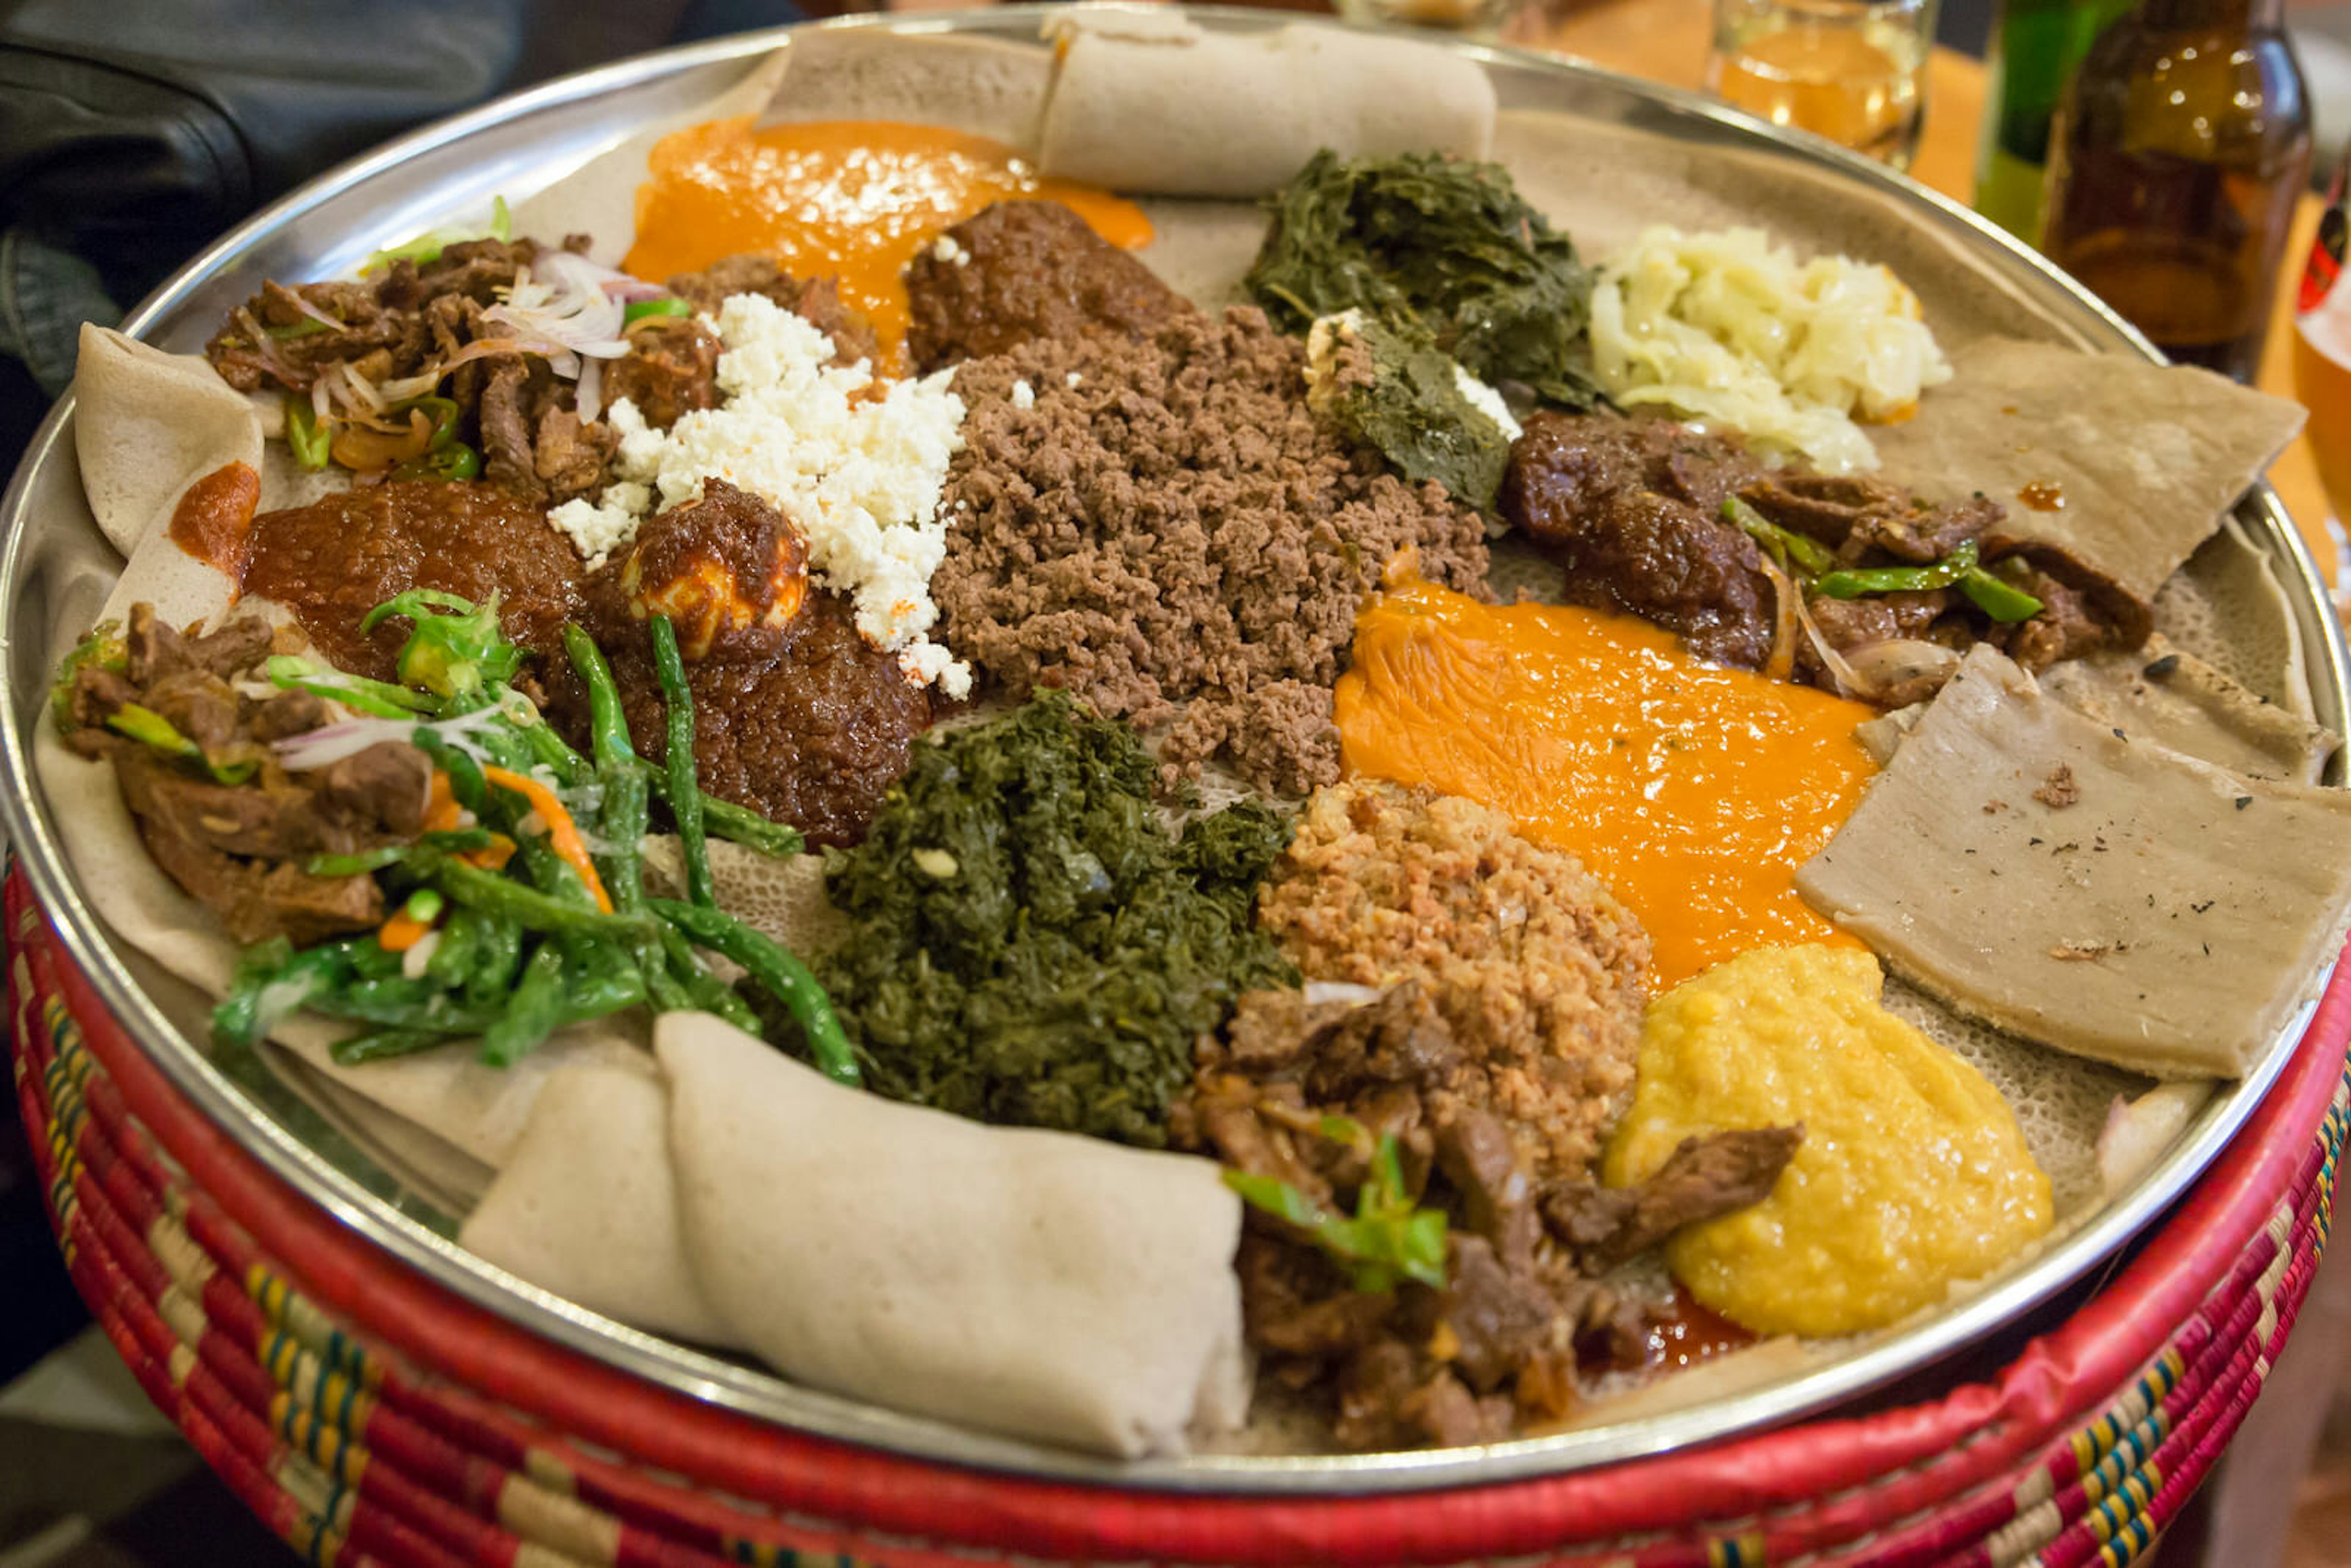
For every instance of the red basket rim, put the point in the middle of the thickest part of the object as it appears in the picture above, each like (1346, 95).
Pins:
(1969, 1436)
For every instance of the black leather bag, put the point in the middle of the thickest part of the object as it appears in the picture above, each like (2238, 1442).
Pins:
(134, 131)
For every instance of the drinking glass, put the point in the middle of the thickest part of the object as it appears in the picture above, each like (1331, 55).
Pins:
(1852, 70)
(1474, 18)
(2321, 363)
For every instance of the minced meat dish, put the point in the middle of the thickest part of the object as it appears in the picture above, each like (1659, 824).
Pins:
(1536, 969)
(1161, 527)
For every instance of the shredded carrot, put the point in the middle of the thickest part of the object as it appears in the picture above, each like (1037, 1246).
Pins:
(402, 932)
(492, 856)
(441, 812)
(562, 834)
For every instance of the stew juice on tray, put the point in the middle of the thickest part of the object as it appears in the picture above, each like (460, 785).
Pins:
(1375, 855)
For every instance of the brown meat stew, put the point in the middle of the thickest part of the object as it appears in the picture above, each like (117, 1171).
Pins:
(1633, 509)
(1525, 1313)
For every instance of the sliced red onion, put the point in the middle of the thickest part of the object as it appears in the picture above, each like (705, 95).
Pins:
(348, 737)
(1785, 599)
(566, 304)
(313, 312)
(1848, 681)
(1321, 991)
(559, 360)
(1887, 664)
(591, 390)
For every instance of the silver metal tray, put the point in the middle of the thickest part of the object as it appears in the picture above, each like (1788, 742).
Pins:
(55, 568)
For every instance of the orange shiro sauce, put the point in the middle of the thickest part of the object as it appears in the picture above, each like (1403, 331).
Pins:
(847, 198)
(1693, 792)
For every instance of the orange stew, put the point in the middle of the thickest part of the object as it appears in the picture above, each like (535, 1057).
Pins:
(851, 199)
(1694, 792)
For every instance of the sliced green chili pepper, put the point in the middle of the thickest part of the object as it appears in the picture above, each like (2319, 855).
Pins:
(308, 327)
(1854, 584)
(427, 248)
(1811, 556)
(2001, 601)
(379, 699)
(456, 649)
(306, 438)
(779, 972)
(384, 1044)
(456, 461)
(103, 649)
(684, 790)
(641, 309)
(148, 727)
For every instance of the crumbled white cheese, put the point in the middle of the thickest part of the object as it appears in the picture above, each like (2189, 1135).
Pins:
(859, 475)
(1023, 395)
(1076, 381)
(945, 249)
(1485, 400)
(597, 530)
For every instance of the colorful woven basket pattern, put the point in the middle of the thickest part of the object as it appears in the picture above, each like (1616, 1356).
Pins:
(369, 1418)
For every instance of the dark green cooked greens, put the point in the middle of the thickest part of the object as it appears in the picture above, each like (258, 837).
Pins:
(1030, 945)
(1437, 248)
(1400, 396)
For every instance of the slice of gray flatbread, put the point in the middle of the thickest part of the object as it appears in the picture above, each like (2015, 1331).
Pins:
(2145, 458)
(2087, 889)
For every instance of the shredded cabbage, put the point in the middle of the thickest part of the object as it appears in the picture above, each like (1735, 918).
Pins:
(1730, 328)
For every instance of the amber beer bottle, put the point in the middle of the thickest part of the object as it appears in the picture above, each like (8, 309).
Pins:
(2174, 163)
(2322, 349)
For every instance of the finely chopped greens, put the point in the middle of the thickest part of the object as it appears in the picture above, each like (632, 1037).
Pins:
(1443, 251)
(1030, 945)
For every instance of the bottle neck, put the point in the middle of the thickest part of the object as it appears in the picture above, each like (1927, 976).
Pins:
(2228, 16)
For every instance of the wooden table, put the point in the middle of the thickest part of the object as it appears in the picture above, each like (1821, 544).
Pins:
(1666, 40)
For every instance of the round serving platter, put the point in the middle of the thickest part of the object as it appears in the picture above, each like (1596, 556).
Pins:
(55, 568)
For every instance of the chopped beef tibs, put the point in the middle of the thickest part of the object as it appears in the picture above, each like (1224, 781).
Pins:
(1639, 513)
(1300, 1092)
(410, 321)
(816, 300)
(232, 828)
(1702, 1179)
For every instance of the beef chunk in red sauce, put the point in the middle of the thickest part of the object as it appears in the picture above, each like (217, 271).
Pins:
(1633, 510)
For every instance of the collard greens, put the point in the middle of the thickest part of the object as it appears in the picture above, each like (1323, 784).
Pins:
(1030, 945)
(1438, 249)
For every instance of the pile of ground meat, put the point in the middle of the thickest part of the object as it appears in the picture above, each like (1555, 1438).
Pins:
(1160, 525)
(1535, 967)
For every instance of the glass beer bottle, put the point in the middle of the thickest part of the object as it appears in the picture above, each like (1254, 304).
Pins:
(2174, 163)
(2035, 45)
(2322, 350)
